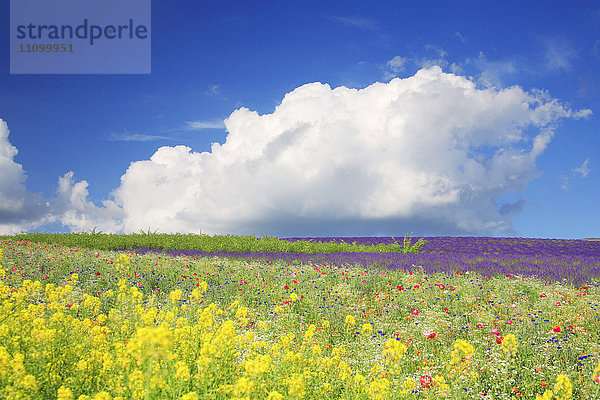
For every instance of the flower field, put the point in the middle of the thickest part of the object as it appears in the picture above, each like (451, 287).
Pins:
(79, 323)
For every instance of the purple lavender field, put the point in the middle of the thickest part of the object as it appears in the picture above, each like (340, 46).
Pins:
(575, 262)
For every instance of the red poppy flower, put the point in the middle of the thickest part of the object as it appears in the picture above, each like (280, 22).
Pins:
(557, 329)
(431, 335)
(499, 339)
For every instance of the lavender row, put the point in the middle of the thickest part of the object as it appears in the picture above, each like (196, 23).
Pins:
(483, 245)
(577, 270)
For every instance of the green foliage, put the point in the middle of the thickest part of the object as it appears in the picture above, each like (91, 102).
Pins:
(108, 241)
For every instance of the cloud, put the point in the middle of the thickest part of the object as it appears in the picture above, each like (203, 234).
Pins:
(584, 170)
(494, 73)
(393, 67)
(558, 54)
(194, 125)
(429, 150)
(19, 209)
(135, 137)
(356, 22)
(72, 208)
(565, 180)
(213, 90)
(431, 153)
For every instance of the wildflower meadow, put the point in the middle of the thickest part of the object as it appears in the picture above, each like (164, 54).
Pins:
(102, 318)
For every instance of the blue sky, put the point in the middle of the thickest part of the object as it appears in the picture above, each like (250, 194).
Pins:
(449, 148)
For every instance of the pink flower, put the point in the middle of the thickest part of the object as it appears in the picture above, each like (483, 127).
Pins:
(480, 325)
(495, 331)
(426, 381)
(415, 312)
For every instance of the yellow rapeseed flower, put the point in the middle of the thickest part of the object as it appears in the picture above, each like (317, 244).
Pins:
(242, 387)
(378, 389)
(258, 365)
(102, 396)
(350, 320)
(366, 329)
(563, 389)
(509, 344)
(182, 371)
(296, 385)
(175, 295)
(29, 382)
(546, 396)
(64, 393)
(408, 385)
(310, 332)
(275, 395)
(395, 349)
(190, 396)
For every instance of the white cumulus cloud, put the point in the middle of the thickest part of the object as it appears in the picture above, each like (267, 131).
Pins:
(431, 153)
(19, 209)
(432, 150)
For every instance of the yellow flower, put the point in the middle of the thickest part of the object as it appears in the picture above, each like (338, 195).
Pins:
(175, 295)
(64, 393)
(366, 329)
(102, 396)
(293, 296)
(563, 388)
(82, 365)
(29, 383)
(242, 387)
(350, 320)
(408, 385)
(395, 349)
(378, 389)
(259, 365)
(275, 395)
(190, 396)
(123, 259)
(509, 344)
(546, 396)
(359, 380)
(242, 312)
(183, 371)
(310, 332)
(296, 385)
